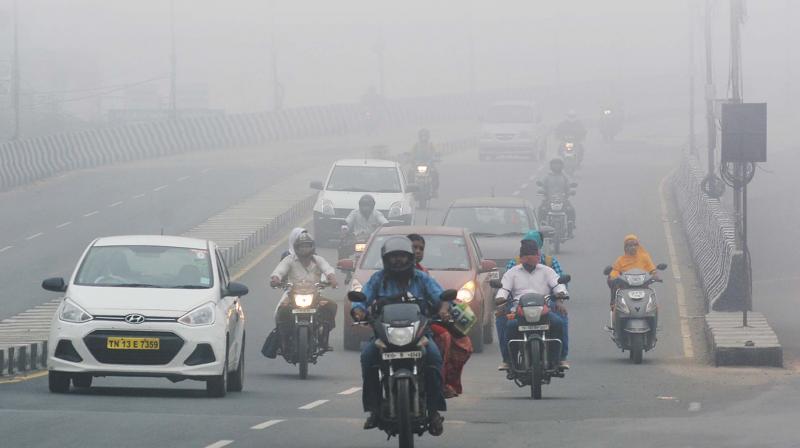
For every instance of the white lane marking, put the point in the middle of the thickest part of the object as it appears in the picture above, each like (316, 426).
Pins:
(313, 404)
(694, 406)
(37, 235)
(91, 214)
(688, 347)
(523, 186)
(205, 171)
(266, 424)
(220, 444)
(115, 204)
(350, 391)
(515, 193)
(161, 187)
(138, 196)
(182, 178)
(5, 249)
(63, 224)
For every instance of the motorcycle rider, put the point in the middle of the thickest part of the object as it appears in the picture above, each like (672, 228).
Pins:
(556, 182)
(635, 257)
(572, 128)
(424, 152)
(302, 264)
(399, 277)
(360, 224)
(532, 277)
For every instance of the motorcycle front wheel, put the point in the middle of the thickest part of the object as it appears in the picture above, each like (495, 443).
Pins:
(536, 370)
(637, 347)
(405, 433)
(302, 351)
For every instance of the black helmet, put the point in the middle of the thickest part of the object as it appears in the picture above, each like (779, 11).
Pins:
(366, 201)
(557, 165)
(394, 245)
(304, 240)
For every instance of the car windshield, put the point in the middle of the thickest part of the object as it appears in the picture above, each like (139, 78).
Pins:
(490, 220)
(365, 178)
(146, 267)
(510, 114)
(442, 253)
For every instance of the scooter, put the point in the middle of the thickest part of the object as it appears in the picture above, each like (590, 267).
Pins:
(635, 314)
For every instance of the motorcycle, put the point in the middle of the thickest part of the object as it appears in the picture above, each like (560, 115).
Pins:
(571, 151)
(352, 246)
(422, 178)
(635, 314)
(531, 363)
(400, 325)
(554, 214)
(302, 346)
(610, 124)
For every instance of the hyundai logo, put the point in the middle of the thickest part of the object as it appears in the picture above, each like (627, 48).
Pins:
(134, 319)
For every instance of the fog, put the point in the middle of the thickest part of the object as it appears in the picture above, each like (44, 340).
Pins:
(327, 51)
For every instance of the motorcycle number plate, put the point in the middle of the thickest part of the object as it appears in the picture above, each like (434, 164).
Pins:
(534, 327)
(636, 294)
(401, 355)
(304, 311)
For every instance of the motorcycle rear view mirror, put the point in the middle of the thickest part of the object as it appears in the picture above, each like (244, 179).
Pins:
(316, 185)
(564, 279)
(356, 296)
(662, 267)
(607, 270)
(495, 283)
(573, 185)
(448, 295)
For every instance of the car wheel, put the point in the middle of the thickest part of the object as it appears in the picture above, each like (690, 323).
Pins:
(58, 382)
(217, 386)
(236, 381)
(82, 381)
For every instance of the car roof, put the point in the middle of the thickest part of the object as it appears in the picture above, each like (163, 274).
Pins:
(422, 230)
(366, 162)
(152, 240)
(488, 201)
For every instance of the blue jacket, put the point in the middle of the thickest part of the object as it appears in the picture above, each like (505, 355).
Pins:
(421, 285)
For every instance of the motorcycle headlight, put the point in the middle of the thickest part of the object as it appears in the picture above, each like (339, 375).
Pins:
(73, 313)
(622, 306)
(327, 208)
(652, 306)
(635, 280)
(422, 169)
(401, 336)
(532, 313)
(569, 145)
(556, 206)
(467, 292)
(303, 300)
(396, 209)
(360, 247)
(606, 112)
(202, 315)
(355, 285)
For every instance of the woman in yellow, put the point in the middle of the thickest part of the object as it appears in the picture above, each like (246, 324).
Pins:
(635, 257)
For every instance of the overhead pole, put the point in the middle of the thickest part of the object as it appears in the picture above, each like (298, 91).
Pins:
(15, 78)
(692, 17)
(173, 102)
(711, 122)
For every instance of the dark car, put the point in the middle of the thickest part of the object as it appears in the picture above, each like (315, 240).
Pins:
(452, 258)
(497, 223)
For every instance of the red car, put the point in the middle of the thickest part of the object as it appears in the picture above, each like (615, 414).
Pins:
(453, 259)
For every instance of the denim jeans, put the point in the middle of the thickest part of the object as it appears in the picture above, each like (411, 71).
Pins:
(370, 362)
(558, 327)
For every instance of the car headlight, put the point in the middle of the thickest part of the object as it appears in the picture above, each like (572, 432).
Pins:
(622, 306)
(652, 306)
(532, 313)
(396, 209)
(303, 300)
(202, 315)
(606, 112)
(467, 292)
(360, 247)
(355, 285)
(401, 336)
(422, 169)
(73, 313)
(327, 208)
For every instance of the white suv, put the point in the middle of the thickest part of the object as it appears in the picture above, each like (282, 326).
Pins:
(350, 179)
(157, 306)
(512, 128)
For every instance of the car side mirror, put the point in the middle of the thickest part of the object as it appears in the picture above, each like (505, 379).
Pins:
(412, 188)
(346, 265)
(488, 266)
(547, 231)
(448, 295)
(607, 270)
(495, 283)
(55, 284)
(662, 267)
(564, 279)
(356, 297)
(316, 185)
(539, 183)
(236, 290)
(573, 185)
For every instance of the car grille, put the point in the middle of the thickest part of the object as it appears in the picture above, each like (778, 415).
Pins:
(169, 346)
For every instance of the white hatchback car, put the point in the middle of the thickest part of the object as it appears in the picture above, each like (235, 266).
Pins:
(151, 306)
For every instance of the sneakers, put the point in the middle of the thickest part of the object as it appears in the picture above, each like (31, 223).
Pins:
(436, 425)
(372, 421)
(503, 366)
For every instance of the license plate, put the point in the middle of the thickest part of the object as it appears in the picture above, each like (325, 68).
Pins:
(114, 343)
(534, 327)
(304, 310)
(637, 294)
(401, 355)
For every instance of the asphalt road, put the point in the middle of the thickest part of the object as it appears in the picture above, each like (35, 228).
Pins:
(669, 401)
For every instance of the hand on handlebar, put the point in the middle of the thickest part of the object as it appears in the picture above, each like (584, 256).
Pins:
(275, 281)
(359, 314)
